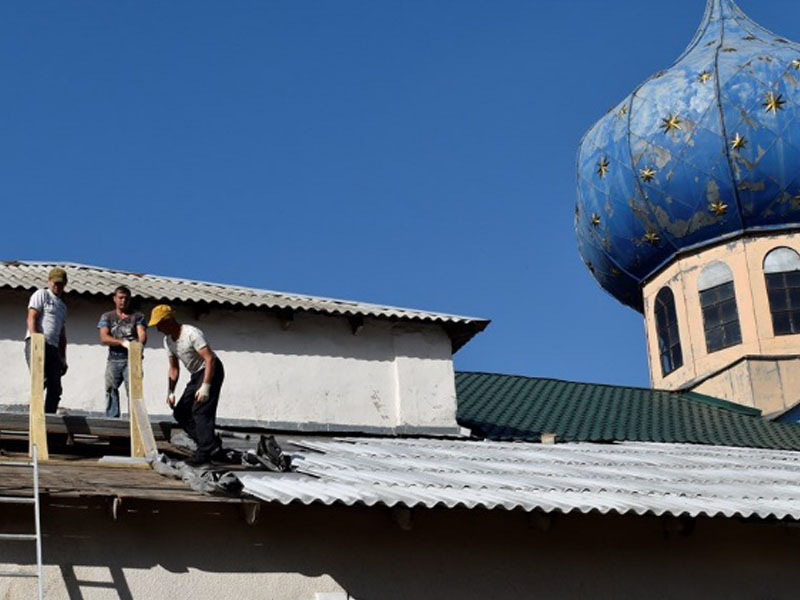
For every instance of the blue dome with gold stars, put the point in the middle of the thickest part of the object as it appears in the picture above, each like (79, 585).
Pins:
(703, 151)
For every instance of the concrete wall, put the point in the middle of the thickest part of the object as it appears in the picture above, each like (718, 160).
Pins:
(762, 371)
(206, 551)
(316, 370)
(772, 385)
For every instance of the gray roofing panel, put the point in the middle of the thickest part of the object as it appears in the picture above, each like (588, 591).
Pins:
(85, 279)
(629, 477)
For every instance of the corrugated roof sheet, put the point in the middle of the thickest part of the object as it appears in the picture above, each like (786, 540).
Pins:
(84, 279)
(631, 477)
(511, 407)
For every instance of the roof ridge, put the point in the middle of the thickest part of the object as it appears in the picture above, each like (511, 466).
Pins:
(538, 378)
(720, 403)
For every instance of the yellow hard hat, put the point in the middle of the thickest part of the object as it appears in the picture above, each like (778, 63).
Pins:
(161, 312)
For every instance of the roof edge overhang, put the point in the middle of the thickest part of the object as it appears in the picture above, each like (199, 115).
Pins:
(460, 329)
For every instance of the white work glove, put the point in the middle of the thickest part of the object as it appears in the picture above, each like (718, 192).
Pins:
(203, 393)
(171, 399)
(125, 344)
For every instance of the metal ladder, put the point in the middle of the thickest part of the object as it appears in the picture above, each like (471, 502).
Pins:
(27, 537)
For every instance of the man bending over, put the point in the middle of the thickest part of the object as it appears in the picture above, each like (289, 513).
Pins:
(196, 410)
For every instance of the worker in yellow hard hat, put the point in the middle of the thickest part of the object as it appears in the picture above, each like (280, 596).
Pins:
(196, 410)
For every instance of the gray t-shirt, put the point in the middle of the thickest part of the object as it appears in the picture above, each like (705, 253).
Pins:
(52, 315)
(187, 347)
(122, 328)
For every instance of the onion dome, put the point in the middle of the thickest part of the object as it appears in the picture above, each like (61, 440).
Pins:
(703, 151)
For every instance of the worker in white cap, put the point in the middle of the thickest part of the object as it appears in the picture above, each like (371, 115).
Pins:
(47, 314)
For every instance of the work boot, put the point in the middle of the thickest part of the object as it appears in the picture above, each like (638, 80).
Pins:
(228, 456)
(197, 461)
(272, 455)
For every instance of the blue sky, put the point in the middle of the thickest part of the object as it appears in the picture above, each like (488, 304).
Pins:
(417, 154)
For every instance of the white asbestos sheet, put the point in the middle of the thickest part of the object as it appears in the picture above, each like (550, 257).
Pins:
(629, 477)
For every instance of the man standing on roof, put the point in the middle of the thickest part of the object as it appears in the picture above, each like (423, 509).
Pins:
(47, 314)
(196, 411)
(118, 328)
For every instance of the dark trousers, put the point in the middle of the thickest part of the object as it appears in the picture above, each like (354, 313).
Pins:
(52, 375)
(199, 420)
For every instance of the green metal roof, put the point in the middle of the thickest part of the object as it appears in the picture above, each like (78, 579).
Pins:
(512, 407)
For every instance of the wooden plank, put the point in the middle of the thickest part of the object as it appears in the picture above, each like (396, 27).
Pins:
(94, 463)
(78, 462)
(143, 443)
(82, 425)
(37, 432)
(136, 391)
(84, 480)
(146, 441)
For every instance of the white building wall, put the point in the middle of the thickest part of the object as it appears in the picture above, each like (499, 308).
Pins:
(314, 371)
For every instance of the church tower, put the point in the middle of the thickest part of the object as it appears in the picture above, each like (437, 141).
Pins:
(689, 212)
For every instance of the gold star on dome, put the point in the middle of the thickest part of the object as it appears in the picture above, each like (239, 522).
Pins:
(615, 272)
(738, 142)
(670, 123)
(595, 220)
(749, 38)
(705, 76)
(648, 173)
(796, 63)
(774, 103)
(651, 237)
(719, 208)
(729, 49)
(602, 167)
(623, 111)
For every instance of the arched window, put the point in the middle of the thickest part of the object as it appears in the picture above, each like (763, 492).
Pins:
(782, 274)
(669, 342)
(718, 301)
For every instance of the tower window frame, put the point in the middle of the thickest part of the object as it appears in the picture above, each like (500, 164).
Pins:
(718, 305)
(782, 282)
(667, 332)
